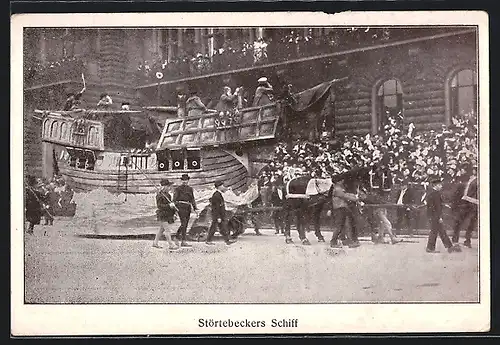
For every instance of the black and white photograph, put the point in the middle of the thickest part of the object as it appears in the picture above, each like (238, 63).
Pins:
(250, 173)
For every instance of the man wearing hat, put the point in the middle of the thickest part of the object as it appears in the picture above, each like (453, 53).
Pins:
(264, 93)
(435, 213)
(219, 220)
(73, 100)
(184, 200)
(465, 207)
(228, 100)
(194, 105)
(33, 204)
(278, 193)
(341, 201)
(105, 100)
(125, 106)
(406, 214)
(165, 214)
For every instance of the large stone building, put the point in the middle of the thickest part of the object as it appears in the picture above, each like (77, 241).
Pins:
(428, 74)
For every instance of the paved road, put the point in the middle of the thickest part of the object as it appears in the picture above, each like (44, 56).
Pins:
(62, 268)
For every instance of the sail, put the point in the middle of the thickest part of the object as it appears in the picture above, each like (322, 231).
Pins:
(312, 99)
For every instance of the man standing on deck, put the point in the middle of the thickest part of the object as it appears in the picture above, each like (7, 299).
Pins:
(184, 200)
(194, 105)
(264, 94)
(73, 100)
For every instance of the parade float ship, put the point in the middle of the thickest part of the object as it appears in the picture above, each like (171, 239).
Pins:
(113, 149)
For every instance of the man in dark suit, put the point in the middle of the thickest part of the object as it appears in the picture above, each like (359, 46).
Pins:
(165, 214)
(465, 207)
(184, 200)
(406, 215)
(219, 220)
(435, 213)
(254, 217)
(277, 199)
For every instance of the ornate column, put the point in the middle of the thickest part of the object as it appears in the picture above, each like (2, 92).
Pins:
(260, 33)
(197, 34)
(251, 35)
(211, 42)
(154, 40)
(159, 43)
(43, 46)
(203, 43)
(170, 42)
(180, 43)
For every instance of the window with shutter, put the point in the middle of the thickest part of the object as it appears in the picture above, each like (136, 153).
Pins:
(389, 102)
(463, 93)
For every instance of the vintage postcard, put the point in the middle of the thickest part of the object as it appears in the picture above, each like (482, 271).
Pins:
(250, 173)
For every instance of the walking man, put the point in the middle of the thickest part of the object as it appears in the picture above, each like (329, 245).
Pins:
(465, 207)
(277, 198)
(219, 220)
(340, 203)
(33, 206)
(435, 213)
(406, 214)
(184, 200)
(165, 214)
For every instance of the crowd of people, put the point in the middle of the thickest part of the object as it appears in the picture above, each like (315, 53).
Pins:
(448, 153)
(47, 199)
(408, 160)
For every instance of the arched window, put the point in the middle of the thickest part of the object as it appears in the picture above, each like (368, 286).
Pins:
(46, 130)
(63, 131)
(389, 102)
(463, 93)
(93, 136)
(54, 129)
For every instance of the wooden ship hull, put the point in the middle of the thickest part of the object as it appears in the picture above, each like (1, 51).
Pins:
(217, 165)
(90, 150)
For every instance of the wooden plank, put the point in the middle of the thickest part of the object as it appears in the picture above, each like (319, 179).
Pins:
(428, 126)
(419, 112)
(353, 95)
(424, 95)
(352, 111)
(431, 118)
(423, 87)
(423, 103)
(359, 131)
(234, 178)
(353, 118)
(353, 103)
(137, 175)
(354, 125)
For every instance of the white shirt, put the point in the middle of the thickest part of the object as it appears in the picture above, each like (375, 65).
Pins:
(401, 195)
(280, 194)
